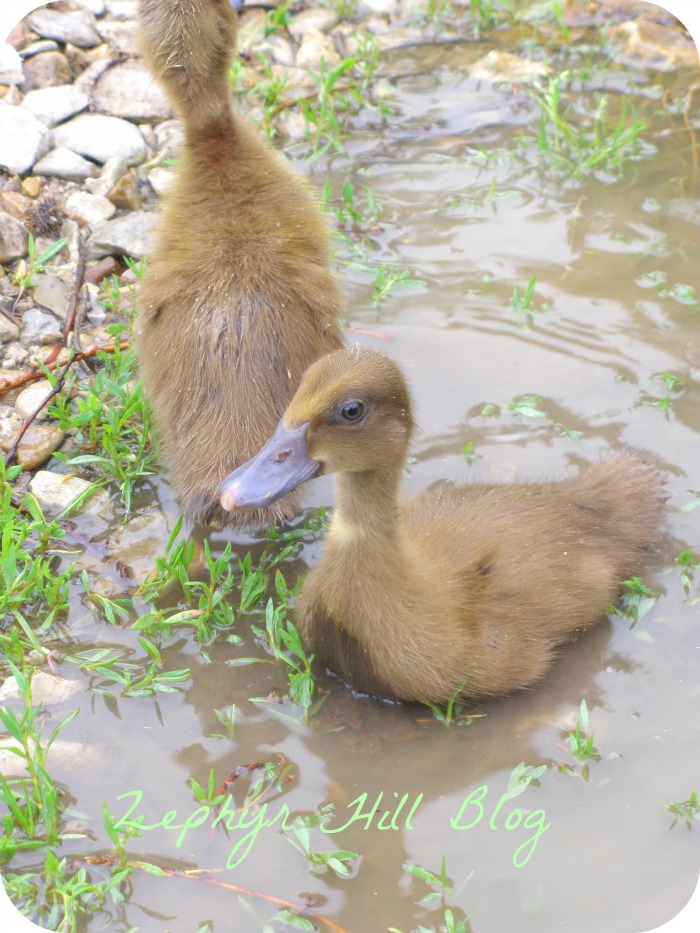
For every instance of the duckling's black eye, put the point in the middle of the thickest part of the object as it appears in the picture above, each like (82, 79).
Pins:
(352, 411)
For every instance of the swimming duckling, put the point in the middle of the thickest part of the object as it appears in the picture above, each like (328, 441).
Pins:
(238, 298)
(463, 588)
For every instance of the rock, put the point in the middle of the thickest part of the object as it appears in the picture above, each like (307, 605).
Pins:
(70, 230)
(126, 236)
(50, 292)
(89, 208)
(76, 27)
(14, 203)
(137, 543)
(59, 490)
(62, 163)
(379, 7)
(170, 138)
(112, 171)
(23, 139)
(37, 445)
(46, 70)
(39, 327)
(314, 20)
(31, 187)
(13, 238)
(100, 137)
(645, 43)
(316, 47)
(45, 688)
(8, 330)
(15, 353)
(161, 179)
(35, 48)
(279, 49)
(129, 91)
(53, 105)
(122, 36)
(122, 9)
(96, 7)
(31, 397)
(10, 65)
(126, 194)
(503, 68)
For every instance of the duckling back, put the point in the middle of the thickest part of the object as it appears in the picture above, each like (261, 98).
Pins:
(238, 298)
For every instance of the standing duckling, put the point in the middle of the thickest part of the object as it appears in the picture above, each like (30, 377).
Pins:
(238, 298)
(464, 589)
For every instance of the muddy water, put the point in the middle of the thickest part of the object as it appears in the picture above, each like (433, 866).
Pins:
(568, 854)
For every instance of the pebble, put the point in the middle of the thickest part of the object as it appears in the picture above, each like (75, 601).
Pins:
(89, 208)
(122, 9)
(37, 445)
(126, 236)
(31, 397)
(96, 7)
(112, 171)
(76, 27)
(126, 194)
(53, 105)
(39, 327)
(161, 180)
(23, 138)
(279, 49)
(136, 543)
(310, 21)
(65, 164)
(46, 688)
(42, 45)
(10, 65)
(129, 91)
(503, 68)
(13, 238)
(31, 186)
(122, 36)
(101, 137)
(8, 330)
(15, 353)
(14, 203)
(379, 7)
(314, 47)
(170, 138)
(51, 293)
(59, 490)
(46, 70)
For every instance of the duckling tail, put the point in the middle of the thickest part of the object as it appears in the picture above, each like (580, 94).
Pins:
(188, 45)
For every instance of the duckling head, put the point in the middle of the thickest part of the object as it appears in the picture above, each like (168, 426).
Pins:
(350, 414)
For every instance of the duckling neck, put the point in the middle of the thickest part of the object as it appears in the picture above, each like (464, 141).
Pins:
(366, 505)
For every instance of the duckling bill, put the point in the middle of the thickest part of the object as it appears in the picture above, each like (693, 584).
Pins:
(464, 589)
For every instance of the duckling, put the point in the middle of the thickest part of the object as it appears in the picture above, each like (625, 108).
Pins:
(238, 298)
(463, 590)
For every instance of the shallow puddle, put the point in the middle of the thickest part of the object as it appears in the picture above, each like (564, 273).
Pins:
(472, 214)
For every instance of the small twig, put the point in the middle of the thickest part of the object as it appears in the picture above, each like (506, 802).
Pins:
(32, 375)
(26, 424)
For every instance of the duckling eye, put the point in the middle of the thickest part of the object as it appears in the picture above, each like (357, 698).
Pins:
(353, 411)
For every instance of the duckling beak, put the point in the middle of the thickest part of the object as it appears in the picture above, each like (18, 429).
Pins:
(281, 466)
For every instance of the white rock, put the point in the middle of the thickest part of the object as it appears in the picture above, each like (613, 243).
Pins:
(128, 236)
(380, 7)
(96, 7)
(53, 105)
(10, 65)
(128, 90)
(13, 238)
(314, 20)
(170, 137)
(122, 9)
(23, 138)
(278, 49)
(62, 163)
(99, 137)
(161, 180)
(76, 27)
(31, 397)
(89, 208)
(39, 327)
(121, 36)
(36, 48)
(50, 292)
(316, 47)
(46, 688)
(59, 490)
(112, 171)
(8, 331)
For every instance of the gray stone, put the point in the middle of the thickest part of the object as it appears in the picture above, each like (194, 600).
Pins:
(89, 208)
(316, 47)
(170, 138)
(13, 238)
(46, 70)
(8, 330)
(36, 48)
(23, 138)
(62, 163)
(279, 49)
(38, 327)
(128, 90)
(122, 36)
(126, 236)
(50, 292)
(10, 65)
(76, 27)
(15, 353)
(45, 688)
(100, 137)
(122, 9)
(314, 20)
(36, 446)
(53, 105)
(112, 171)
(59, 490)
